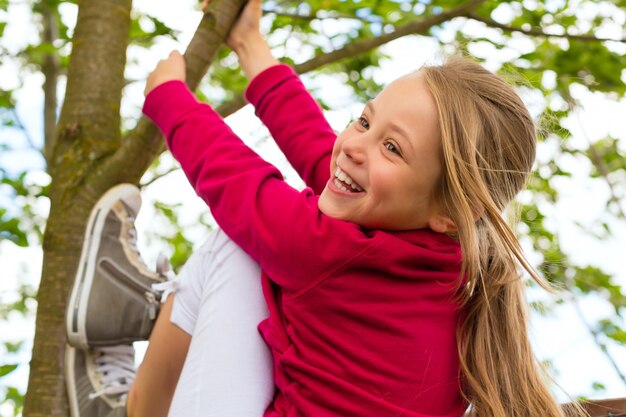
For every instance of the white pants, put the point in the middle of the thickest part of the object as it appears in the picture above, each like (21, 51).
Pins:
(219, 302)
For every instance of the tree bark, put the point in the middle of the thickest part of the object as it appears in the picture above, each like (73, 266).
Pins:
(88, 131)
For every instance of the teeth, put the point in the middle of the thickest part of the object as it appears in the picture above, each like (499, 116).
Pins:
(340, 186)
(342, 177)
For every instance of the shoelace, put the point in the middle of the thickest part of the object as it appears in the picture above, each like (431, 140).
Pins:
(164, 269)
(116, 366)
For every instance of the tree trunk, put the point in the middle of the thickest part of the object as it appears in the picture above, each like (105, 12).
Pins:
(88, 131)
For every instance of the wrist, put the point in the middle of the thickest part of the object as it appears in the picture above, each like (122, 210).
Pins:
(246, 44)
(254, 56)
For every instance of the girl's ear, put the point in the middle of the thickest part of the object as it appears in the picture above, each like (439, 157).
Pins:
(441, 223)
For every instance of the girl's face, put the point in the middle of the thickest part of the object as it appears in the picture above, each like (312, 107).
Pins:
(385, 166)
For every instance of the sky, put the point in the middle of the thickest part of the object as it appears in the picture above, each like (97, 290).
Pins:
(559, 337)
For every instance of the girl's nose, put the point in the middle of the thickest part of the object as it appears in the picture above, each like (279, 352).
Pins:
(354, 149)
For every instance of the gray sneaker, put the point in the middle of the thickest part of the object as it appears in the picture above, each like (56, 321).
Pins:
(112, 301)
(98, 380)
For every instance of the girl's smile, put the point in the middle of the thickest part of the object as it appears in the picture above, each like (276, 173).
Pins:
(344, 183)
(386, 165)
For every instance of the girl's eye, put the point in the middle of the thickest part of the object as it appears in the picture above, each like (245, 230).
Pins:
(362, 122)
(392, 148)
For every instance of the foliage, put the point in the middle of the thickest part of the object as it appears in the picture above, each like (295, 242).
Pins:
(549, 46)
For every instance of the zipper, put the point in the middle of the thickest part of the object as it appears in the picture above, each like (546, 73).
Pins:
(113, 271)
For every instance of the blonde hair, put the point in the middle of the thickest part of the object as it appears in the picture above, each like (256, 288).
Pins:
(488, 148)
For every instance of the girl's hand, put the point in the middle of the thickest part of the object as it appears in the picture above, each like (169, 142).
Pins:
(246, 41)
(246, 28)
(172, 68)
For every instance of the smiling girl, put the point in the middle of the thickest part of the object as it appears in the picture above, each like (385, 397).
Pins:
(391, 283)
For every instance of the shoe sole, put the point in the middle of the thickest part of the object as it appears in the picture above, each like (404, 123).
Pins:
(70, 380)
(76, 313)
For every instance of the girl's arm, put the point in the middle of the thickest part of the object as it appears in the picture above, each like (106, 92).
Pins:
(294, 119)
(296, 123)
(247, 196)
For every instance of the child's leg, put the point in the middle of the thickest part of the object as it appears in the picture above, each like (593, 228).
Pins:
(152, 391)
(227, 371)
(112, 304)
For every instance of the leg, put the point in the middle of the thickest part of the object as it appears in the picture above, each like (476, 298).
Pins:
(113, 303)
(153, 388)
(228, 369)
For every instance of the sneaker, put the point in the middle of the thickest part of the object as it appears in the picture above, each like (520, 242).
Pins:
(112, 301)
(98, 380)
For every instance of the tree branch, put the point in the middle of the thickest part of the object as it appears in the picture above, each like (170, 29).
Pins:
(144, 143)
(411, 28)
(314, 16)
(20, 126)
(50, 69)
(596, 159)
(231, 106)
(361, 46)
(539, 32)
(158, 177)
(597, 162)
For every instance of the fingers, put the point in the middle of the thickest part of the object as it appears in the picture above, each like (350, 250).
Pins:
(174, 58)
(171, 68)
(204, 5)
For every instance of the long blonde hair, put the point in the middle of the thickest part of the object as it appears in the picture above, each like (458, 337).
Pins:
(488, 148)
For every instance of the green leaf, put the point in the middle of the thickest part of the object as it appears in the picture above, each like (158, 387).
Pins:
(36, 54)
(24, 305)
(613, 331)
(13, 347)
(540, 307)
(145, 29)
(17, 398)
(593, 279)
(6, 99)
(7, 369)
(606, 156)
(173, 236)
(598, 386)
(10, 229)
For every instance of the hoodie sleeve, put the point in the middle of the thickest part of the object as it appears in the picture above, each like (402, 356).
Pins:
(295, 121)
(276, 225)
